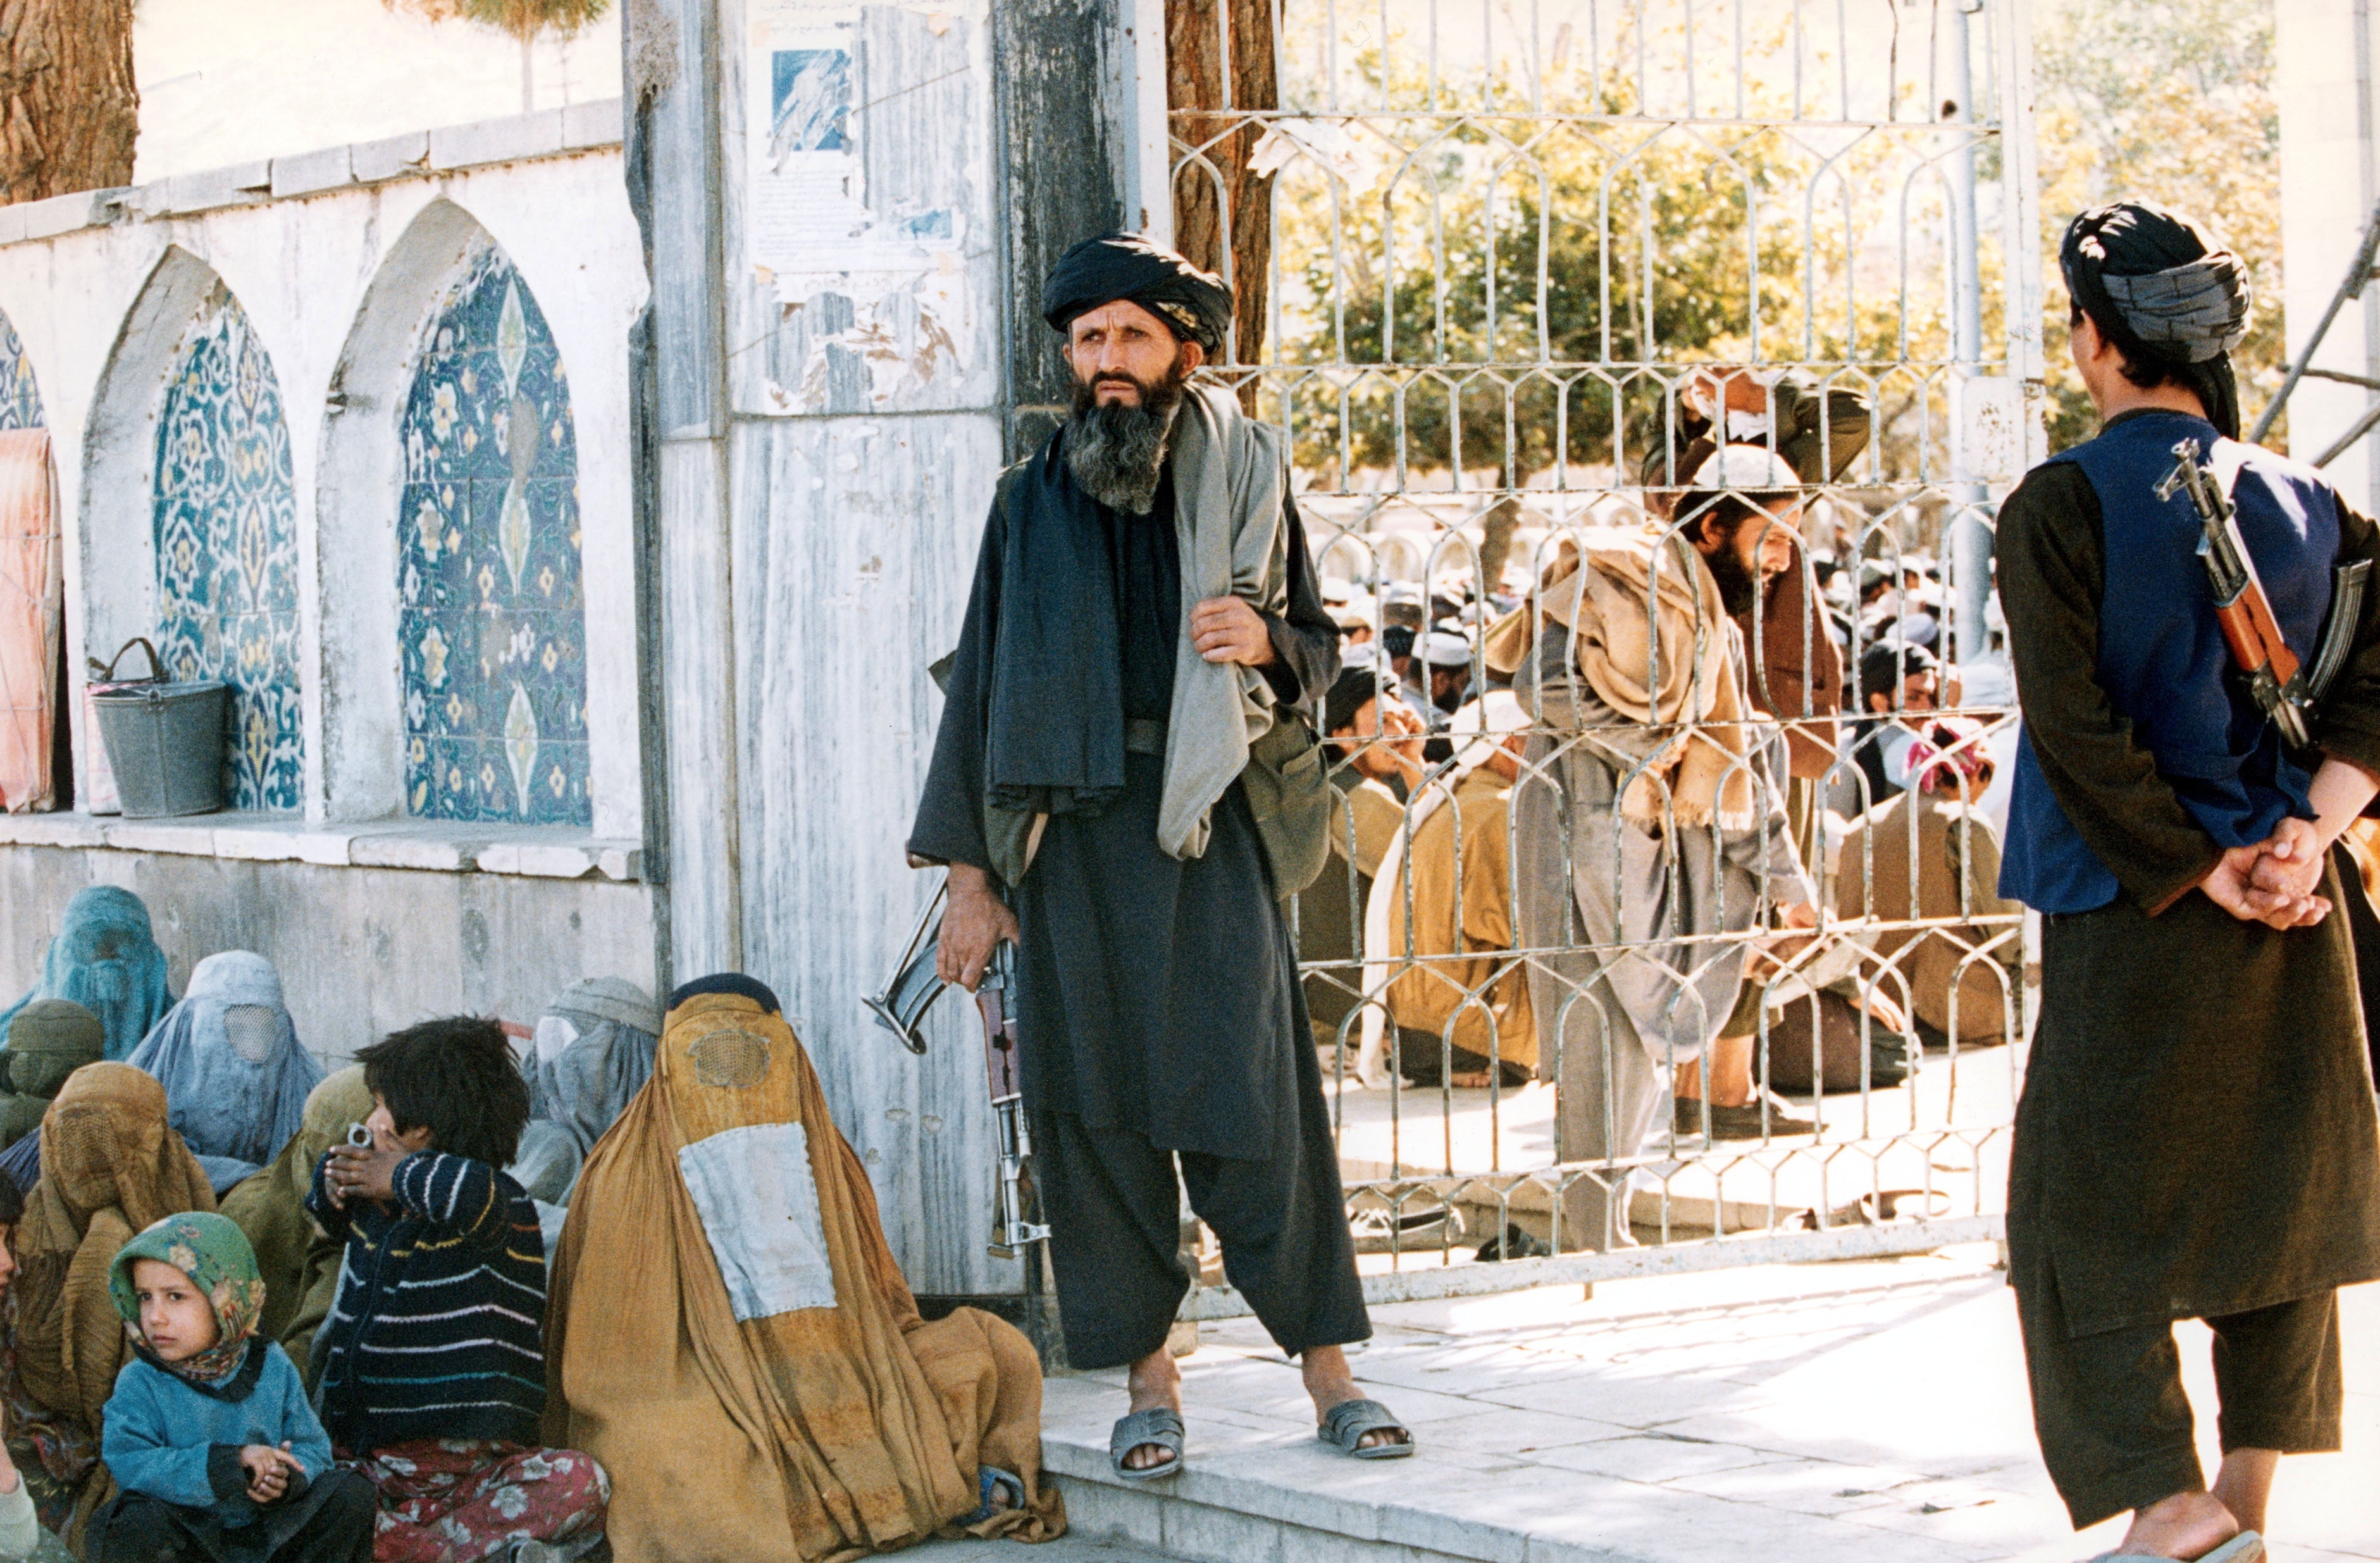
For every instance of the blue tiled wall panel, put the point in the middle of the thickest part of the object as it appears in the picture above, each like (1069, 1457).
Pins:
(21, 400)
(492, 619)
(225, 509)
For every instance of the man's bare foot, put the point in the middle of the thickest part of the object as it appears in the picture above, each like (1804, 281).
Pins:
(1155, 1382)
(2185, 1525)
(1331, 1383)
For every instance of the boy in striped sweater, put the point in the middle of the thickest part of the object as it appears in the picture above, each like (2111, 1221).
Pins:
(434, 1380)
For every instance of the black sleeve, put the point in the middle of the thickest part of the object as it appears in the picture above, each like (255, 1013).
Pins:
(2349, 726)
(948, 824)
(225, 1475)
(1306, 638)
(2052, 555)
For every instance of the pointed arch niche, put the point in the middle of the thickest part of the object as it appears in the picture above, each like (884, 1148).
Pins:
(192, 539)
(450, 521)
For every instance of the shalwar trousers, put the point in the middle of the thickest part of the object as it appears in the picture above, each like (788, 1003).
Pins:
(2116, 1429)
(1114, 1208)
(330, 1521)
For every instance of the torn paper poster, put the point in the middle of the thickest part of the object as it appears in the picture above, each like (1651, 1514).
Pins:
(808, 226)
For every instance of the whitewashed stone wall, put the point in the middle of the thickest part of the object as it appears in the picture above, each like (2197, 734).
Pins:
(339, 259)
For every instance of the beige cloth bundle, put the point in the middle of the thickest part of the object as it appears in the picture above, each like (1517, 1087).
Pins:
(1652, 640)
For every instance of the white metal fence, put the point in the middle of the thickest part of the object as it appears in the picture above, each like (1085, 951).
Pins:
(1492, 256)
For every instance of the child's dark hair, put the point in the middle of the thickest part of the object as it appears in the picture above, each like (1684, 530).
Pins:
(12, 1201)
(458, 1075)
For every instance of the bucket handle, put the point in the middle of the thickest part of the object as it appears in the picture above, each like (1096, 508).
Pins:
(106, 675)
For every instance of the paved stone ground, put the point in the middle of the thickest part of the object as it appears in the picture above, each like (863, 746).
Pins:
(1854, 1412)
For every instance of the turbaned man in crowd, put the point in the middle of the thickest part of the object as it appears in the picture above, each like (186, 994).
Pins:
(2196, 1137)
(1144, 610)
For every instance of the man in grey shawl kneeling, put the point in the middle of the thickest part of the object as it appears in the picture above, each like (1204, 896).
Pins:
(1144, 610)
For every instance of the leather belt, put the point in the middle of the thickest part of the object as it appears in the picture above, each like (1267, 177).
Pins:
(1143, 737)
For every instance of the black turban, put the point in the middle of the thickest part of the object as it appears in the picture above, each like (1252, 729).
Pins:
(2159, 286)
(1355, 686)
(1125, 266)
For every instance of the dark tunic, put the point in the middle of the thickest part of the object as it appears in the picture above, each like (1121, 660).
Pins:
(2196, 1136)
(1155, 995)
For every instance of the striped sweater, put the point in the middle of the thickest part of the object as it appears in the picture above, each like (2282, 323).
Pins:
(438, 1327)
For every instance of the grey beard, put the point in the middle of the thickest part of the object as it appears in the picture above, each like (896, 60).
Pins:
(1117, 453)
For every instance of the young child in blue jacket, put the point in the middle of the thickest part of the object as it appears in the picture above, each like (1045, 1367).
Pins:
(209, 1433)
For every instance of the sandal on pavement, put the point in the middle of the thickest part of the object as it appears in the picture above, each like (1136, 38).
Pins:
(1345, 1424)
(990, 1482)
(1159, 1426)
(2245, 1548)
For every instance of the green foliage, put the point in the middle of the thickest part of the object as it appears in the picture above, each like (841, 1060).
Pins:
(1495, 293)
(524, 19)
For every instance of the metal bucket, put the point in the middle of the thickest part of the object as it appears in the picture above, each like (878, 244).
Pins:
(164, 742)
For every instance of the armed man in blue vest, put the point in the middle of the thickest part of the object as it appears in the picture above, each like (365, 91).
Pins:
(2197, 1135)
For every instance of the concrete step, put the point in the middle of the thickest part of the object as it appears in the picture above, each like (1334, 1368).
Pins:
(1868, 1413)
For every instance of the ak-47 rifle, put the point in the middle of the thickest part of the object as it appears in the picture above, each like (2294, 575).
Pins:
(2284, 688)
(901, 1009)
(1012, 1233)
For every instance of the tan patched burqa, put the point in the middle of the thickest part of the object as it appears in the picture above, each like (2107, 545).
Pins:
(110, 1164)
(1651, 637)
(728, 1335)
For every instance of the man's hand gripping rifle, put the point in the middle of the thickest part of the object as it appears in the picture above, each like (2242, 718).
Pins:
(900, 1008)
(2283, 689)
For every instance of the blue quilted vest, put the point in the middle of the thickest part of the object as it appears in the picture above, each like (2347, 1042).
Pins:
(2162, 658)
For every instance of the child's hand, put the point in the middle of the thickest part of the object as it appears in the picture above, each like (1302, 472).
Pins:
(269, 1471)
(356, 1173)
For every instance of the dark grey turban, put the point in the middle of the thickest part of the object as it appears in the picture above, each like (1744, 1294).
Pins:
(2159, 286)
(1124, 266)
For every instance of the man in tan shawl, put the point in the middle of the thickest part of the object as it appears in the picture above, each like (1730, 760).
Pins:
(1456, 985)
(110, 1164)
(1929, 853)
(1649, 816)
(729, 1336)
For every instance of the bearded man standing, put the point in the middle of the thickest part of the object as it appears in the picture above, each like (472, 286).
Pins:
(1144, 611)
(2196, 1137)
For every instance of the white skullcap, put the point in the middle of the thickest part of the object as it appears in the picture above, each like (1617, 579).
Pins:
(1439, 649)
(1484, 723)
(1745, 468)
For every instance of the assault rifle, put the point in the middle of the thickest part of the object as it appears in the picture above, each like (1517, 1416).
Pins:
(2283, 689)
(900, 1008)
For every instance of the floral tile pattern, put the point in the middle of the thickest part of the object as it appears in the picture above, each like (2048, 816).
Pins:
(491, 620)
(226, 513)
(20, 401)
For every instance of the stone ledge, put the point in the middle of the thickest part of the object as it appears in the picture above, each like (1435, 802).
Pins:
(552, 132)
(532, 852)
(313, 173)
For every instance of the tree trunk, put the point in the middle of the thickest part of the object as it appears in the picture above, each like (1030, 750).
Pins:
(69, 112)
(1214, 194)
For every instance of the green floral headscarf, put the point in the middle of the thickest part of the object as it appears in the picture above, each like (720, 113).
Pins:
(214, 1253)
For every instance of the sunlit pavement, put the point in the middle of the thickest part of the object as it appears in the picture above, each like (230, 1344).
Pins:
(1853, 1411)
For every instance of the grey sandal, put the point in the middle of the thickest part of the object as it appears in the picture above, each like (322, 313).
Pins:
(1344, 1427)
(2245, 1548)
(1159, 1426)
